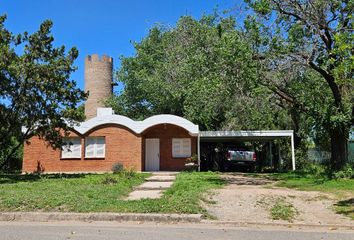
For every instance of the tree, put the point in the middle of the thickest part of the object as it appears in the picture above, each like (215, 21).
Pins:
(313, 38)
(199, 69)
(36, 92)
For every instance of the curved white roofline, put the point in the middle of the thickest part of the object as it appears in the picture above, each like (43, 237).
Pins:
(138, 126)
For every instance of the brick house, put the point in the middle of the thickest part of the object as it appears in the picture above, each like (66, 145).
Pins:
(158, 143)
(161, 142)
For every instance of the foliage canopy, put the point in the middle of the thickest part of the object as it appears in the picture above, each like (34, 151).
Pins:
(35, 88)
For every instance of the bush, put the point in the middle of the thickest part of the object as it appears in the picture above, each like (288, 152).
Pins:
(317, 170)
(109, 180)
(302, 160)
(117, 168)
(128, 173)
(347, 172)
(11, 164)
(301, 156)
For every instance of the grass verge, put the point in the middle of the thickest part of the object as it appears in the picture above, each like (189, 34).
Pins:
(102, 193)
(342, 189)
(64, 192)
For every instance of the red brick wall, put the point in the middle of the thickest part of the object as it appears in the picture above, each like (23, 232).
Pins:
(122, 145)
(165, 132)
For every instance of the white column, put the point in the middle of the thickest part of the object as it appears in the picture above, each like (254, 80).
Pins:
(198, 152)
(279, 157)
(271, 154)
(293, 151)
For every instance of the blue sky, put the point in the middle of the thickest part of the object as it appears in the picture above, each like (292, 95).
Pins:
(102, 26)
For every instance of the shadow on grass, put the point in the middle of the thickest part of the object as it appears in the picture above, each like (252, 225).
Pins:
(246, 179)
(316, 180)
(286, 176)
(345, 207)
(212, 179)
(216, 181)
(16, 178)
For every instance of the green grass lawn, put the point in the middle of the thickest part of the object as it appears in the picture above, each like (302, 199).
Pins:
(342, 189)
(309, 182)
(101, 193)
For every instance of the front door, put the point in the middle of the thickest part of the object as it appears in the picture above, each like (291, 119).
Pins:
(152, 154)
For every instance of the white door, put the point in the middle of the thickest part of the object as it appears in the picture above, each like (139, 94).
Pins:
(152, 154)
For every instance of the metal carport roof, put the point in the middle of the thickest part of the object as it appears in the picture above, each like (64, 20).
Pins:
(245, 135)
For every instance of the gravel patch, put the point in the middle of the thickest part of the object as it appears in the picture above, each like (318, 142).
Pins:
(248, 199)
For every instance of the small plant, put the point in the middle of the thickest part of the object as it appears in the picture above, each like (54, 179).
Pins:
(109, 180)
(117, 167)
(191, 163)
(192, 159)
(283, 210)
(128, 173)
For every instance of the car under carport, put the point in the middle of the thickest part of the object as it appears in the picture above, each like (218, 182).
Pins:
(210, 140)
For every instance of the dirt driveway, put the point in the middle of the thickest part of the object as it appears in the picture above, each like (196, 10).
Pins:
(248, 199)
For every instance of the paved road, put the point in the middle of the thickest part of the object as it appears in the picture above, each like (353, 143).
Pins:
(109, 230)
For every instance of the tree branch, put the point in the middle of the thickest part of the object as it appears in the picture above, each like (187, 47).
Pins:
(330, 80)
(281, 10)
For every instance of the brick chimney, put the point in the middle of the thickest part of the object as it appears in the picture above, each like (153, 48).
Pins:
(98, 82)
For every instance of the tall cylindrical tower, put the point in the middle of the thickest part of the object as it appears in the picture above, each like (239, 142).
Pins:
(98, 82)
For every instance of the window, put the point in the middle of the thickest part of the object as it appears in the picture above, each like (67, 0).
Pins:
(95, 147)
(72, 148)
(181, 147)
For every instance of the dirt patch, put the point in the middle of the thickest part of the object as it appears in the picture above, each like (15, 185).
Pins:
(248, 199)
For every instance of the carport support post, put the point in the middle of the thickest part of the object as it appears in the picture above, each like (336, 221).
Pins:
(293, 151)
(198, 152)
(271, 154)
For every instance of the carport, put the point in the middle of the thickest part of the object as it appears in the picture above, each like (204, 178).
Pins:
(259, 135)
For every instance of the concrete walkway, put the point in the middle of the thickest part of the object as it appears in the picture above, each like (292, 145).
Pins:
(154, 186)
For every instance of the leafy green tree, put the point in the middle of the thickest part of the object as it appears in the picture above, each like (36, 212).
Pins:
(305, 56)
(199, 69)
(35, 88)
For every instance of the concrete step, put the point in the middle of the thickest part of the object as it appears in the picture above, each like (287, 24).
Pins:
(160, 178)
(154, 186)
(164, 173)
(141, 194)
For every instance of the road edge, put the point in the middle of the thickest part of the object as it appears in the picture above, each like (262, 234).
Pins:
(283, 225)
(119, 217)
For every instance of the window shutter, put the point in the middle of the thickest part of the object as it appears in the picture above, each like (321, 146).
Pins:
(72, 148)
(100, 147)
(95, 147)
(186, 148)
(89, 147)
(181, 147)
(176, 147)
(76, 148)
(65, 153)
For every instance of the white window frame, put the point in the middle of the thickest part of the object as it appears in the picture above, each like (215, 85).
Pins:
(72, 150)
(95, 147)
(181, 147)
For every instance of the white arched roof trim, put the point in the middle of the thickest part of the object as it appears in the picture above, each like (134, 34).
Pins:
(138, 126)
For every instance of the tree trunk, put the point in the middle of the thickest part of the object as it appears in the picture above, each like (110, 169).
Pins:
(339, 148)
